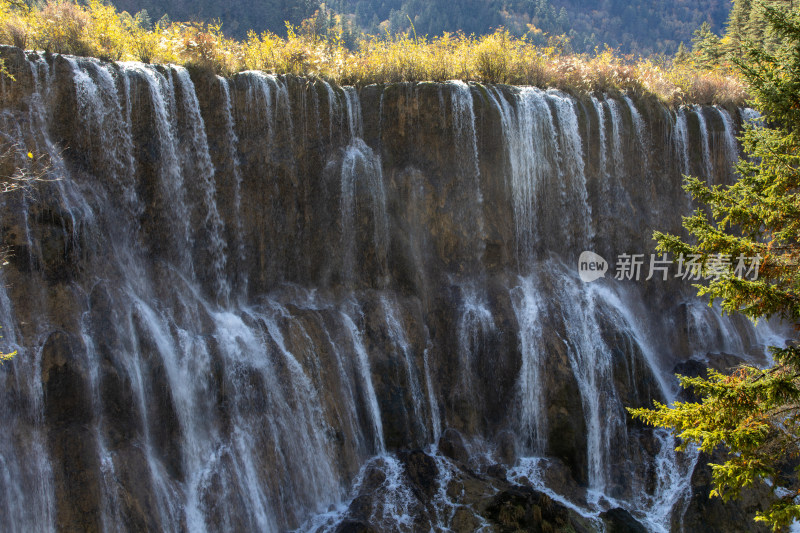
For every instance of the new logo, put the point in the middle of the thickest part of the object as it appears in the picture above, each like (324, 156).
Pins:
(591, 267)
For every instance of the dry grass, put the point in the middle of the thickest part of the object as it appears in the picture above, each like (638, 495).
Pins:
(99, 30)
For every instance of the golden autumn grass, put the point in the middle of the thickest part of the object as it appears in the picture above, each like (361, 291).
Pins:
(98, 30)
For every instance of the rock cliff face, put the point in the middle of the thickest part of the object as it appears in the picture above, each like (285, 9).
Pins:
(265, 303)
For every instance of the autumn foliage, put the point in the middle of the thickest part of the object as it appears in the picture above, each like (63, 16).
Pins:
(97, 29)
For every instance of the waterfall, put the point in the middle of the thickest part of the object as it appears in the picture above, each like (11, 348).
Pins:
(360, 163)
(475, 323)
(750, 115)
(641, 131)
(162, 96)
(234, 312)
(682, 139)
(464, 129)
(601, 133)
(529, 134)
(197, 161)
(436, 420)
(532, 404)
(708, 171)
(673, 472)
(353, 113)
(591, 366)
(366, 378)
(618, 171)
(398, 339)
(361, 168)
(585, 310)
(543, 161)
(261, 98)
(333, 108)
(616, 121)
(572, 166)
(27, 502)
(461, 111)
(230, 137)
(102, 114)
(729, 137)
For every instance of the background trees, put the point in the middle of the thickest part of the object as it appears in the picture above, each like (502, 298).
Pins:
(633, 26)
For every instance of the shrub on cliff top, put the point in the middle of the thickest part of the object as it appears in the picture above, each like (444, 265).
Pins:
(98, 30)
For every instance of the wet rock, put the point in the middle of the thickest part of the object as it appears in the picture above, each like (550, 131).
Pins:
(705, 514)
(451, 445)
(361, 508)
(558, 476)
(619, 520)
(71, 442)
(498, 471)
(350, 526)
(465, 521)
(422, 471)
(66, 381)
(524, 508)
(690, 368)
(507, 448)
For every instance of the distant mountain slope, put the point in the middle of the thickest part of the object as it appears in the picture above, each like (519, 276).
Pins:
(237, 16)
(642, 26)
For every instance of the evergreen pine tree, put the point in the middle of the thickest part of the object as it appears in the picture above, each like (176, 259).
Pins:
(707, 45)
(753, 413)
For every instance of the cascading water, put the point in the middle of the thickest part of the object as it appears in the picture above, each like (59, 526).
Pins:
(366, 378)
(529, 160)
(532, 398)
(361, 168)
(463, 114)
(641, 132)
(599, 109)
(196, 159)
(591, 365)
(572, 167)
(474, 325)
(616, 135)
(231, 142)
(162, 100)
(707, 168)
(729, 137)
(682, 139)
(246, 299)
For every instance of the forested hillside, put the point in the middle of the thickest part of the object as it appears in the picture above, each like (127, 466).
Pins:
(237, 16)
(747, 23)
(642, 26)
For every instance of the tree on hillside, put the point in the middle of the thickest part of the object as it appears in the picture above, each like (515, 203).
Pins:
(707, 46)
(747, 22)
(236, 16)
(754, 413)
